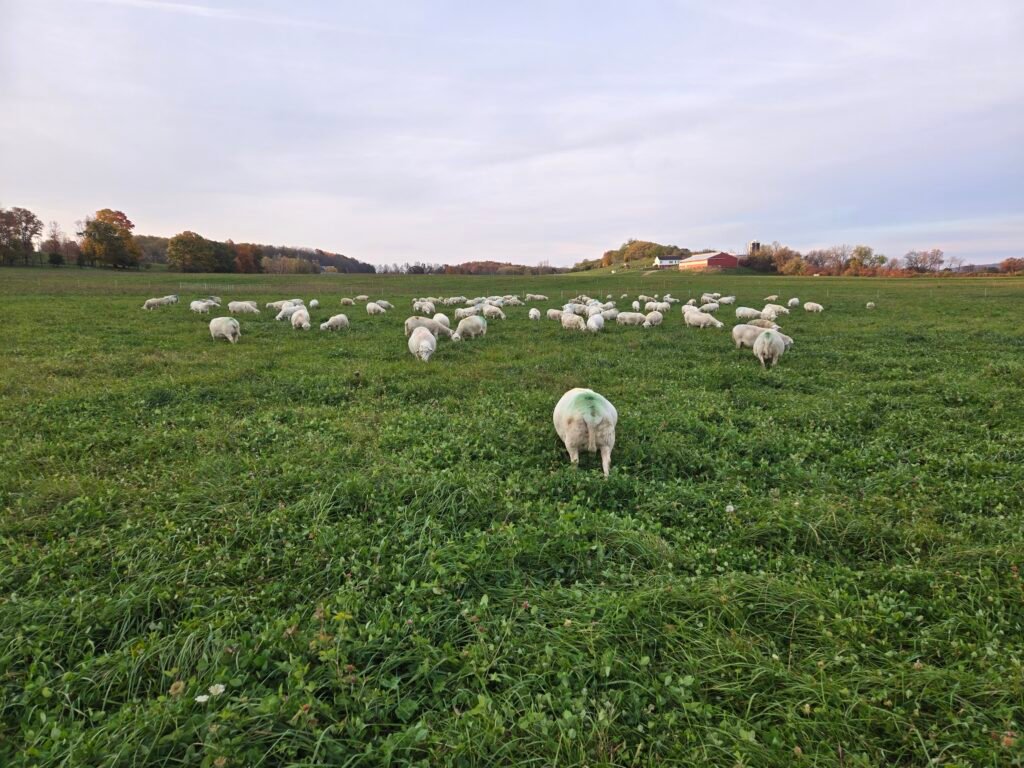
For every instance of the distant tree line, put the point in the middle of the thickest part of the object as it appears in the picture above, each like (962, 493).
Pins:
(107, 239)
(851, 261)
(632, 251)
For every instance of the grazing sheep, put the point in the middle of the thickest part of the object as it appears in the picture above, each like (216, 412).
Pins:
(653, 318)
(225, 328)
(624, 296)
(745, 335)
(691, 303)
(423, 307)
(442, 318)
(412, 323)
(470, 327)
(554, 314)
(595, 323)
(768, 313)
(466, 312)
(746, 313)
(768, 348)
(154, 303)
(490, 311)
(644, 297)
(362, 297)
(243, 307)
(610, 314)
(335, 323)
(762, 323)
(636, 306)
(631, 318)
(584, 420)
(347, 302)
(778, 308)
(214, 300)
(794, 302)
(422, 343)
(373, 308)
(171, 298)
(594, 309)
(871, 305)
(314, 304)
(278, 305)
(534, 314)
(536, 297)
(387, 304)
(709, 308)
(773, 297)
(706, 298)
(288, 310)
(573, 322)
(727, 300)
(201, 305)
(811, 306)
(701, 320)
(300, 319)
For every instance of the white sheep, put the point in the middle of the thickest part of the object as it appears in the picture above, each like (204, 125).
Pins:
(466, 312)
(773, 297)
(595, 323)
(710, 307)
(554, 314)
(727, 300)
(584, 420)
(536, 297)
(636, 306)
(373, 308)
(573, 322)
(288, 310)
(442, 318)
(610, 314)
(335, 323)
(201, 305)
(746, 313)
(534, 314)
(225, 328)
(387, 304)
(300, 319)
(744, 335)
(778, 308)
(171, 298)
(762, 323)
(470, 327)
(794, 302)
(653, 318)
(154, 303)
(277, 304)
(214, 300)
(491, 312)
(243, 307)
(314, 304)
(870, 305)
(630, 318)
(436, 328)
(422, 343)
(697, 319)
(347, 302)
(424, 307)
(768, 348)
(362, 297)
(811, 306)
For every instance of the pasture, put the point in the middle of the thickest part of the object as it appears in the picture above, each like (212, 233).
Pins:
(386, 562)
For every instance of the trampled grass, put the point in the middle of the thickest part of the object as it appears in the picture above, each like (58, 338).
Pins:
(390, 562)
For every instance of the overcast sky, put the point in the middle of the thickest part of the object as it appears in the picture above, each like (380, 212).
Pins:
(522, 131)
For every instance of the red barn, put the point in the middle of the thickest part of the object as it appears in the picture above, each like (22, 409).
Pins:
(711, 261)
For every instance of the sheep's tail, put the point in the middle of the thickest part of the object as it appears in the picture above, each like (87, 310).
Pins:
(591, 419)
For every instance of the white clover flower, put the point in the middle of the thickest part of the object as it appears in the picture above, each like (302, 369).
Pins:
(216, 689)
(729, 509)
(202, 698)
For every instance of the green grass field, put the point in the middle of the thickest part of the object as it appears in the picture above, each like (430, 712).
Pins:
(386, 562)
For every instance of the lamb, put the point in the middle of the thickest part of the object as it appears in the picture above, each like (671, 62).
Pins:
(243, 307)
(710, 307)
(362, 297)
(373, 308)
(871, 305)
(470, 327)
(653, 318)
(573, 322)
(347, 302)
(490, 311)
(595, 323)
(584, 420)
(534, 314)
(630, 318)
(746, 335)
(812, 306)
(701, 320)
(746, 313)
(442, 318)
(768, 348)
(636, 306)
(335, 323)
(288, 310)
(554, 314)
(422, 344)
(201, 305)
(154, 303)
(435, 328)
(314, 304)
(773, 297)
(225, 328)
(300, 319)
(794, 302)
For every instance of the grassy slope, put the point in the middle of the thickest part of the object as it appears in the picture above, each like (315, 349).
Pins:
(382, 559)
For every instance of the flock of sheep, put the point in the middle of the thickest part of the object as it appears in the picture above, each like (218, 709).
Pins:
(583, 419)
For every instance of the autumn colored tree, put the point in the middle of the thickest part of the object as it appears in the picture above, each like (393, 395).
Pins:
(19, 228)
(247, 258)
(191, 252)
(107, 239)
(1011, 265)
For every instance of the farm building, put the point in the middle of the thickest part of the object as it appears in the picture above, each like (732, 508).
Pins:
(667, 262)
(716, 260)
